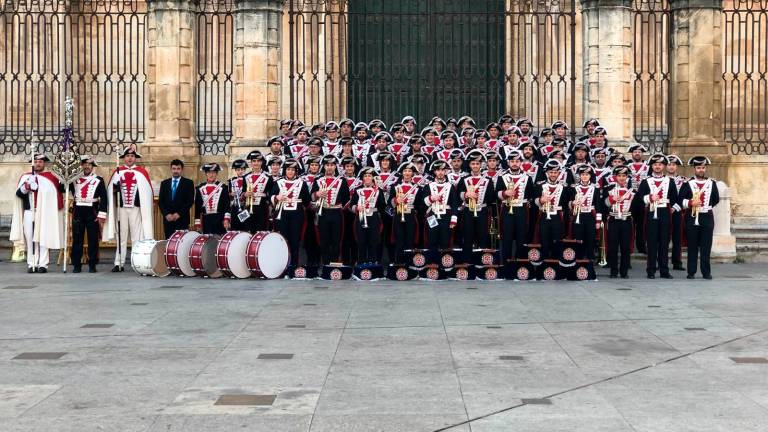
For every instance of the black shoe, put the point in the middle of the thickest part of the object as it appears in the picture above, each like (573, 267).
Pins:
(625, 276)
(42, 270)
(667, 276)
(678, 267)
(613, 276)
(30, 270)
(117, 269)
(708, 277)
(650, 276)
(690, 276)
(77, 269)
(91, 269)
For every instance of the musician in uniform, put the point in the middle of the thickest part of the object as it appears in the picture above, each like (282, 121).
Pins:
(212, 206)
(236, 198)
(658, 194)
(405, 223)
(441, 201)
(552, 198)
(638, 171)
(38, 214)
(258, 185)
(290, 196)
(367, 203)
(476, 192)
(584, 206)
(330, 194)
(678, 215)
(514, 191)
(88, 214)
(310, 234)
(176, 198)
(133, 207)
(699, 196)
(385, 178)
(618, 196)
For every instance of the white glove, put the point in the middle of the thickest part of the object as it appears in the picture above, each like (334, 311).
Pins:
(31, 184)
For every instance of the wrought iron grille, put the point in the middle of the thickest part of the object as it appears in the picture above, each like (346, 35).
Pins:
(651, 25)
(390, 58)
(214, 42)
(745, 65)
(92, 51)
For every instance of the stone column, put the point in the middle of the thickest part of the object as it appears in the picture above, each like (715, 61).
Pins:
(170, 110)
(723, 241)
(257, 73)
(608, 67)
(696, 78)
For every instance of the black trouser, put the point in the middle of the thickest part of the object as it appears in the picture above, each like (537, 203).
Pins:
(405, 233)
(657, 237)
(82, 224)
(259, 219)
(551, 235)
(348, 243)
(638, 220)
(677, 238)
(291, 226)
(368, 239)
(514, 232)
(235, 224)
(213, 223)
(533, 214)
(439, 237)
(699, 242)
(311, 244)
(171, 227)
(585, 231)
(386, 238)
(475, 231)
(330, 225)
(619, 241)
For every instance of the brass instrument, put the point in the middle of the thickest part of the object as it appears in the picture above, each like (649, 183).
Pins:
(472, 204)
(437, 207)
(401, 206)
(321, 202)
(695, 210)
(363, 212)
(577, 206)
(249, 198)
(548, 207)
(603, 244)
(513, 200)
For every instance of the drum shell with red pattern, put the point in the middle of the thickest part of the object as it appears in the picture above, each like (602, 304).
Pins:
(223, 254)
(203, 258)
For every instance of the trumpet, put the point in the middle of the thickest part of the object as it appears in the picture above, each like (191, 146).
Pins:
(512, 201)
(280, 206)
(695, 211)
(472, 204)
(577, 206)
(603, 245)
(437, 206)
(321, 201)
(401, 205)
(249, 199)
(363, 213)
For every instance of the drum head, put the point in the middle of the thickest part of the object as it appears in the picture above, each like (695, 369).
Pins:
(159, 267)
(236, 259)
(273, 256)
(209, 257)
(182, 253)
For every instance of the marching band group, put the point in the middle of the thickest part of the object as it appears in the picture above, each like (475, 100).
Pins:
(351, 194)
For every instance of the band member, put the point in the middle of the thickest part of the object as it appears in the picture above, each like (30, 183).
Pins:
(38, 214)
(399, 147)
(311, 239)
(345, 128)
(176, 198)
(212, 208)
(275, 169)
(367, 203)
(285, 130)
(678, 215)
(476, 193)
(257, 184)
(385, 178)
(89, 213)
(381, 145)
(618, 197)
(442, 206)
(298, 147)
(289, 197)
(275, 150)
(699, 196)
(514, 191)
(405, 223)
(552, 198)
(331, 143)
(315, 151)
(585, 200)
(348, 245)
(132, 214)
(361, 146)
(330, 194)
(236, 186)
(638, 171)
(658, 194)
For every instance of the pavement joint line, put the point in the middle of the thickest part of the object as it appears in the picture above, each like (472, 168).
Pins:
(607, 379)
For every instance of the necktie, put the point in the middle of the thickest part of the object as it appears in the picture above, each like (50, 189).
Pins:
(173, 188)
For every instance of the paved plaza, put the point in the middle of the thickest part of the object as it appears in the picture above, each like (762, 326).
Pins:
(121, 352)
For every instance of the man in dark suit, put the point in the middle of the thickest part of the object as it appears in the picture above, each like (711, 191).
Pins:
(177, 196)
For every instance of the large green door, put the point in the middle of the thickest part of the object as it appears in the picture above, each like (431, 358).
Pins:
(426, 58)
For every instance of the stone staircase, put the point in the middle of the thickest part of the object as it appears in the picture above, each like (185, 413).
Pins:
(751, 239)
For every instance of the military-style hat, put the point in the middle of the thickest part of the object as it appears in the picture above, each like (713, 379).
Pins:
(367, 170)
(600, 130)
(275, 161)
(675, 159)
(408, 119)
(331, 125)
(555, 153)
(584, 168)
(493, 125)
(362, 126)
(492, 155)
(346, 141)
(482, 133)
(418, 158)
(397, 127)
(297, 124)
(273, 140)
(452, 121)
(581, 146)
(254, 155)
(126, 151)
(515, 155)
(456, 154)
(658, 158)
(317, 126)
(546, 131)
(438, 164)
(406, 165)
(286, 122)
(417, 138)
(634, 147)
(347, 122)
(313, 159)
(559, 124)
(315, 141)
(210, 167)
(699, 161)
(506, 118)
(385, 135)
(40, 156)
(385, 155)
(88, 159)
(514, 130)
(467, 119)
(606, 151)
(428, 130)
(523, 146)
(300, 130)
(559, 142)
(330, 159)
(239, 163)
(615, 156)
(524, 120)
(468, 131)
(552, 165)
(346, 160)
(376, 122)
(291, 163)
(450, 133)
(438, 120)
(475, 156)
(621, 169)
(592, 121)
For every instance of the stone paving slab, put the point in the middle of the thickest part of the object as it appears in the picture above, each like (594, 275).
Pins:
(610, 355)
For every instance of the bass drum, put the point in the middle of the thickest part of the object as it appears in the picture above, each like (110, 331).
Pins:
(148, 258)
(202, 256)
(177, 252)
(230, 254)
(268, 255)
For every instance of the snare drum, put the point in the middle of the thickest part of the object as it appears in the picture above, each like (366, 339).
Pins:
(230, 254)
(268, 255)
(177, 252)
(147, 258)
(202, 256)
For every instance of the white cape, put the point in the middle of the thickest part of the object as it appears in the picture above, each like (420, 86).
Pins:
(49, 220)
(145, 200)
